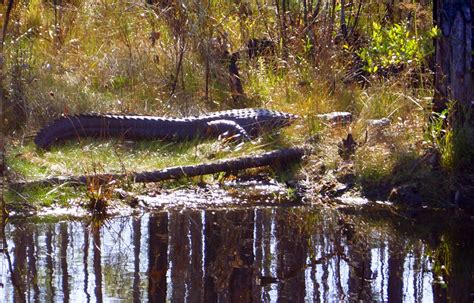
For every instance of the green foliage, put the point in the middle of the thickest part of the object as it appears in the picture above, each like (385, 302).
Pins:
(119, 82)
(380, 101)
(33, 14)
(396, 46)
(455, 143)
(440, 137)
(263, 81)
(43, 196)
(372, 167)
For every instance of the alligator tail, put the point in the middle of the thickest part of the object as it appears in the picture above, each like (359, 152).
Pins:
(90, 125)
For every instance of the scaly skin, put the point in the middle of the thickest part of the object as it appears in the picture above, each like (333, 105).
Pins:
(246, 122)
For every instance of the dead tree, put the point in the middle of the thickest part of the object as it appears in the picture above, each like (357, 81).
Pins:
(258, 47)
(236, 88)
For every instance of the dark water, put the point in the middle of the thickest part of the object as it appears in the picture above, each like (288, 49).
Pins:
(272, 254)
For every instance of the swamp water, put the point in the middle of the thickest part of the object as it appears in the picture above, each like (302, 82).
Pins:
(241, 254)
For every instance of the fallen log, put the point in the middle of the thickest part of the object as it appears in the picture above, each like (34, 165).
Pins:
(277, 157)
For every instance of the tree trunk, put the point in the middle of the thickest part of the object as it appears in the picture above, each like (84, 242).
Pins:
(454, 81)
(454, 59)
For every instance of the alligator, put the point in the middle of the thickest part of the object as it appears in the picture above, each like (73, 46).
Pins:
(245, 123)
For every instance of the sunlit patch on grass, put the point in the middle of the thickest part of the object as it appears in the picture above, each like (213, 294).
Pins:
(30, 163)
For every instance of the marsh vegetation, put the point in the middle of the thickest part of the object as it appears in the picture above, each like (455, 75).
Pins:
(181, 58)
(405, 136)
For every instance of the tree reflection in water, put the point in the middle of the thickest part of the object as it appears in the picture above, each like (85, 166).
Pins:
(157, 257)
(64, 238)
(232, 255)
(195, 279)
(137, 234)
(85, 259)
(49, 266)
(97, 262)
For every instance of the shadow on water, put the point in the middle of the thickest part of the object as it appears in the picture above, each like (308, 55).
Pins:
(291, 254)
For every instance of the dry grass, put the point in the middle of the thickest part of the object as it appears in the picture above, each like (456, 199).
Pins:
(110, 56)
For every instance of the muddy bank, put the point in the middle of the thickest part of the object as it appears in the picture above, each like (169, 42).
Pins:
(259, 190)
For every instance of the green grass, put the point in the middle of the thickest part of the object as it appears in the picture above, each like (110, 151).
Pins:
(28, 163)
(108, 156)
(41, 197)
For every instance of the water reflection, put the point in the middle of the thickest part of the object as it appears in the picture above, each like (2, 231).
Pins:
(233, 255)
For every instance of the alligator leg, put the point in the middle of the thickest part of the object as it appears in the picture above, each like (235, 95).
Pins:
(229, 128)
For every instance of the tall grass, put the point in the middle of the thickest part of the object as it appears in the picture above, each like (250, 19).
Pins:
(159, 59)
(124, 56)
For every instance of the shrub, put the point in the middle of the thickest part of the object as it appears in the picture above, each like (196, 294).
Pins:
(396, 46)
